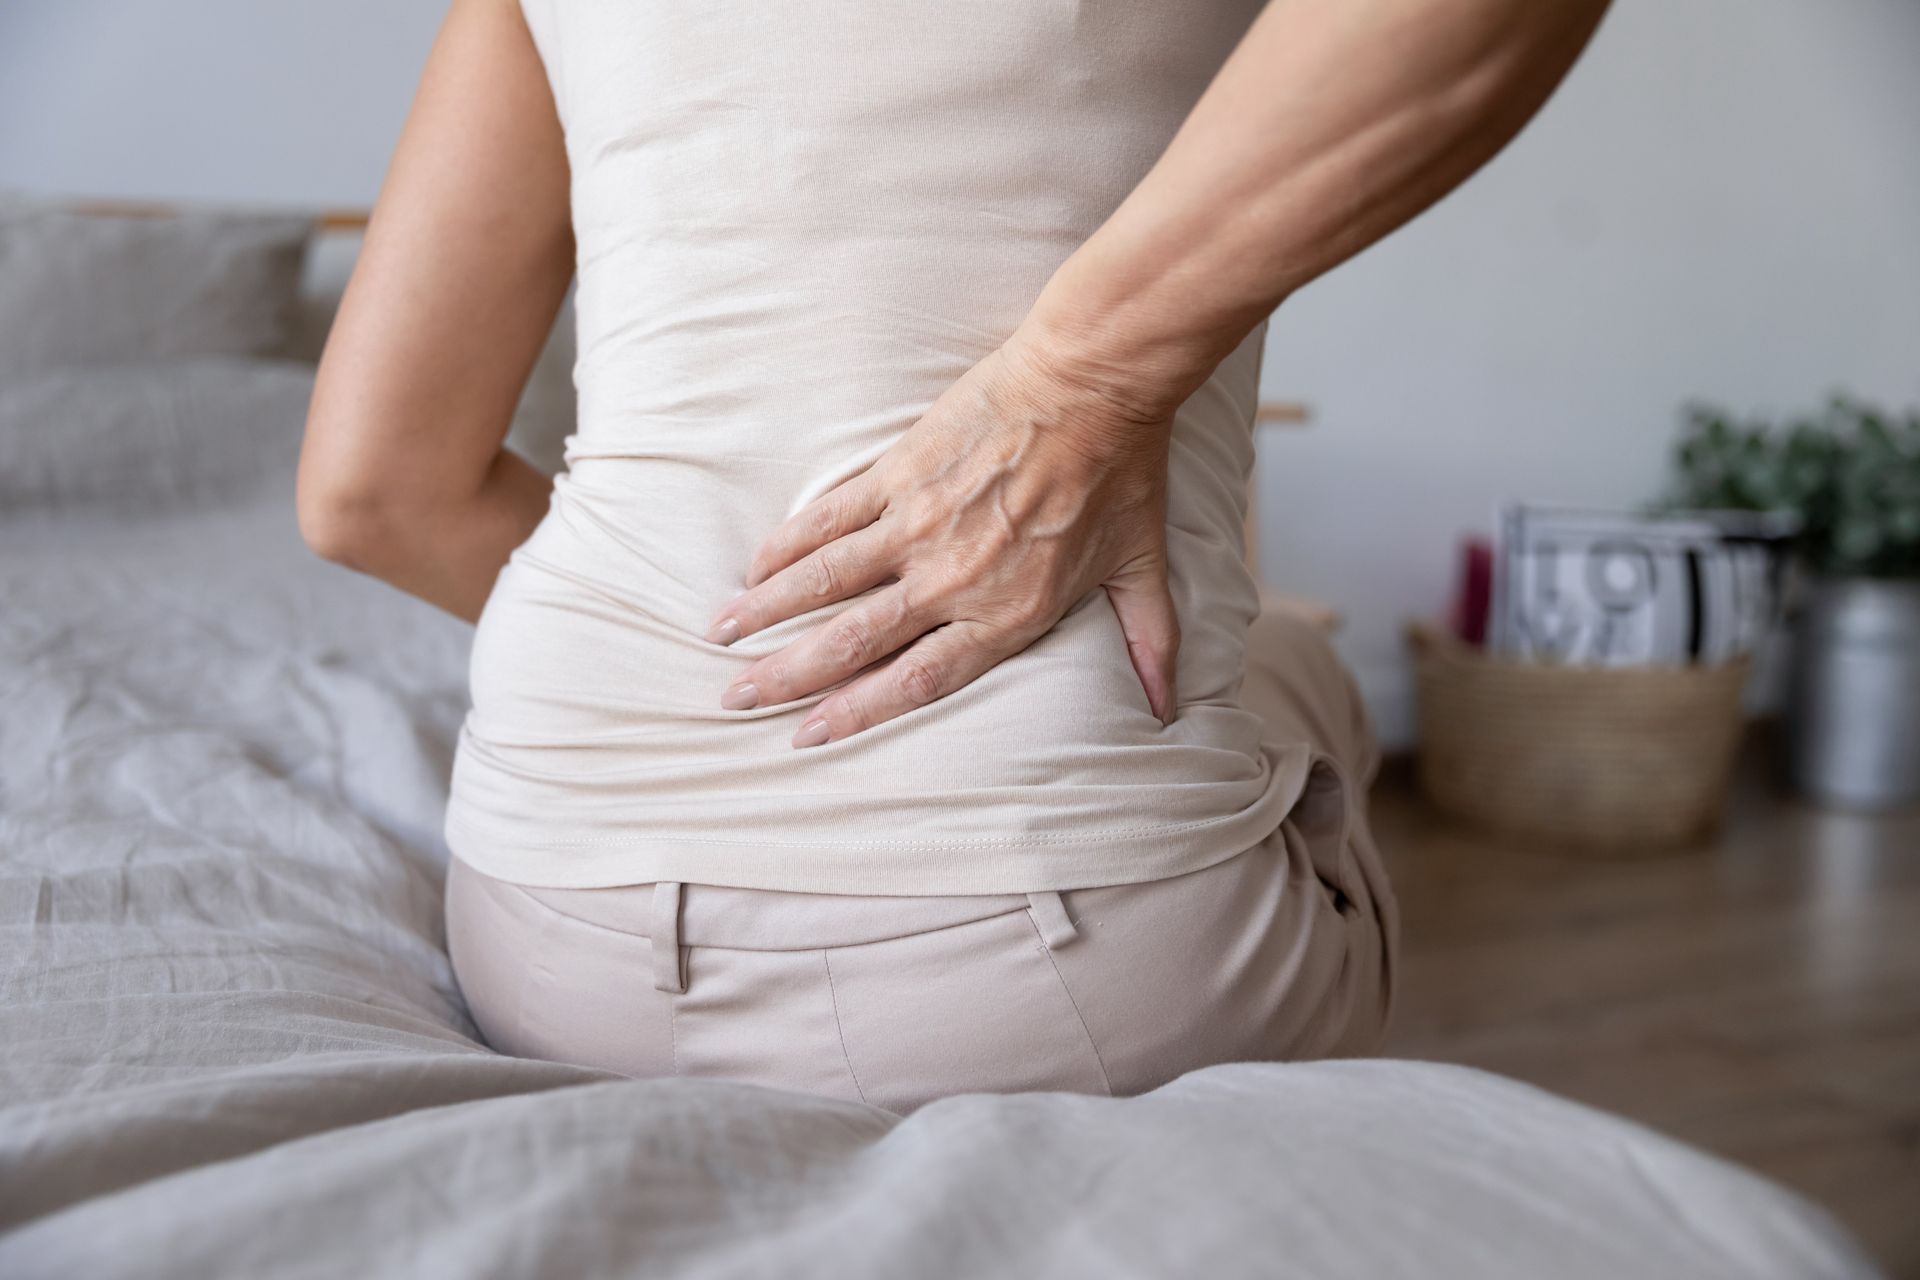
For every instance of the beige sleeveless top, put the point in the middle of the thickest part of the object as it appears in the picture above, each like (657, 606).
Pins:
(797, 225)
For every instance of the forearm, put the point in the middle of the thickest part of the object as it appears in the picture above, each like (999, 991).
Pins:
(1333, 123)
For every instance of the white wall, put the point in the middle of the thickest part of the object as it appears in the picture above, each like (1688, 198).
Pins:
(261, 101)
(1723, 201)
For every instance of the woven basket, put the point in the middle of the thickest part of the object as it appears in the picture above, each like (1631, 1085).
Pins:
(1615, 761)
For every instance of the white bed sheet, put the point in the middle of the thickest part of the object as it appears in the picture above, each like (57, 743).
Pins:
(230, 1042)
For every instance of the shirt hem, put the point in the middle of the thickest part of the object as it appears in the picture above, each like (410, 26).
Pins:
(903, 868)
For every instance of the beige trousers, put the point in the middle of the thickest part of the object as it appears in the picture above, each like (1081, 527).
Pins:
(1286, 950)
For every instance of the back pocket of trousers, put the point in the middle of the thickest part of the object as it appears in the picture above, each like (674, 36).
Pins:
(977, 1007)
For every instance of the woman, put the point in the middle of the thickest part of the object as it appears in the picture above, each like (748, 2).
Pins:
(868, 709)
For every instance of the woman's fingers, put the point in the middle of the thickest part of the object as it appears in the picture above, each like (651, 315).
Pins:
(1144, 604)
(945, 659)
(994, 514)
(852, 505)
(829, 653)
(840, 569)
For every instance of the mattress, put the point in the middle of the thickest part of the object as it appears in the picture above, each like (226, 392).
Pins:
(231, 1043)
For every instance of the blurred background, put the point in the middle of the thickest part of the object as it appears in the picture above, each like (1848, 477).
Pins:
(1720, 203)
(1720, 207)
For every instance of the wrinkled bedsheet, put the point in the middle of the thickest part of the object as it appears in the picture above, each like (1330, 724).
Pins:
(230, 1042)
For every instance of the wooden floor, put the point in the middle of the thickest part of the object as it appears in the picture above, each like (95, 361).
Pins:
(1760, 998)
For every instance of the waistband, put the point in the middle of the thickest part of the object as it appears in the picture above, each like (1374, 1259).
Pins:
(667, 903)
(674, 916)
(767, 919)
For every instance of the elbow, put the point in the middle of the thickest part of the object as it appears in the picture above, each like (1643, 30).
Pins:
(349, 518)
(343, 527)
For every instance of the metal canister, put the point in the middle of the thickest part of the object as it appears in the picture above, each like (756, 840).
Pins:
(1854, 709)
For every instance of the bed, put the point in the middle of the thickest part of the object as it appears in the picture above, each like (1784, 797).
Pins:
(231, 1043)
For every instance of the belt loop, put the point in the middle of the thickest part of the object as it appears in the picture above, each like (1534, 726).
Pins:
(664, 935)
(1049, 913)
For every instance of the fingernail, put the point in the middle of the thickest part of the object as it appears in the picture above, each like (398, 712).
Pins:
(725, 631)
(739, 697)
(812, 733)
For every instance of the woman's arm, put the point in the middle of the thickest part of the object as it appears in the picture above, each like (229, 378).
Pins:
(466, 262)
(1333, 123)
(1042, 474)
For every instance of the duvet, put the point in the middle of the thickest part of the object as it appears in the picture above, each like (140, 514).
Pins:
(230, 1042)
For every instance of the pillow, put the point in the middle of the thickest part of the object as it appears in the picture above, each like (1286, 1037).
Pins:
(140, 436)
(82, 288)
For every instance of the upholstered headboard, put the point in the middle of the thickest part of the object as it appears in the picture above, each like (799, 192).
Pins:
(546, 412)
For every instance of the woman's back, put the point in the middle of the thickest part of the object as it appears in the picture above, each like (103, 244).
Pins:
(797, 226)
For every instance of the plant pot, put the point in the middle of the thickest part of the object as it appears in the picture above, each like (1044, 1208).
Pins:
(1854, 704)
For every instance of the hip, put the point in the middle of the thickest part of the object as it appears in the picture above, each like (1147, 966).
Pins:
(1285, 950)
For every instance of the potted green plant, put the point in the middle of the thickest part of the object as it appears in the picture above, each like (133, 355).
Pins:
(1850, 477)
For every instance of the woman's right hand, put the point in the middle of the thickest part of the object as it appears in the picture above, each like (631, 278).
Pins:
(1023, 487)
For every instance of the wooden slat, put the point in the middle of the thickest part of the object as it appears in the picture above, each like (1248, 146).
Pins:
(1284, 413)
(331, 220)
